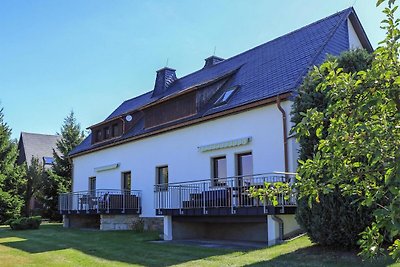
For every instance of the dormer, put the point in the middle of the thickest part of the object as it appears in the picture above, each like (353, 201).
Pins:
(107, 130)
(165, 77)
(211, 61)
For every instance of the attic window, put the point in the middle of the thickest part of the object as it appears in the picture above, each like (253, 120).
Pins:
(223, 99)
(48, 160)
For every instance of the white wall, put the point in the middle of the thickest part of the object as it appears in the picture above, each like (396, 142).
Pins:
(354, 41)
(179, 150)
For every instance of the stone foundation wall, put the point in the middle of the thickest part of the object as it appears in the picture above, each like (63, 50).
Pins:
(118, 222)
(114, 222)
(81, 221)
(153, 224)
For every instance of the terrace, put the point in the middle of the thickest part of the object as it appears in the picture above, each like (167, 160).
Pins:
(101, 201)
(222, 196)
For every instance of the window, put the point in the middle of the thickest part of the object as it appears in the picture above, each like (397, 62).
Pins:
(99, 135)
(107, 132)
(115, 130)
(245, 167)
(162, 177)
(126, 181)
(48, 160)
(92, 185)
(226, 96)
(219, 171)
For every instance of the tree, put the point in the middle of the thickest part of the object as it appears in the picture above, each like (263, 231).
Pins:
(34, 182)
(335, 220)
(59, 179)
(10, 175)
(71, 136)
(360, 145)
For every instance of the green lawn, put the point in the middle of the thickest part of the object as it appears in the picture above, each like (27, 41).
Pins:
(54, 246)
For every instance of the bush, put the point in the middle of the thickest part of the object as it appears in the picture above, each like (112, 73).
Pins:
(10, 207)
(25, 223)
(335, 221)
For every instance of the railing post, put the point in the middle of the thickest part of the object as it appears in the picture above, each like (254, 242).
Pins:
(203, 194)
(231, 190)
(97, 200)
(139, 202)
(123, 201)
(180, 199)
(108, 202)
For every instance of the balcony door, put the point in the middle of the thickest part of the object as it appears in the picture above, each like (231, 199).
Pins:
(245, 168)
(92, 186)
(162, 178)
(126, 182)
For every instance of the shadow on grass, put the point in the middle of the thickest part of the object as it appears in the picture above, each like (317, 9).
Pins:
(316, 255)
(133, 248)
(121, 246)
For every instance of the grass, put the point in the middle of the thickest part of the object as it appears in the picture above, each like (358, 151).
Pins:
(53, 245)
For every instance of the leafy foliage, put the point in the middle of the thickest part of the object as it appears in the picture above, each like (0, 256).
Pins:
(34, 182)
(272, 191)
(26, 223)
(361, 145)
(333, 220)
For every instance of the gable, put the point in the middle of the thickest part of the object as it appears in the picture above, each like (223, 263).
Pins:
(354, 41)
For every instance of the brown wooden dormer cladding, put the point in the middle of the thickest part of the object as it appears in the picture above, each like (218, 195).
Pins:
(108, 130)
(174, 109)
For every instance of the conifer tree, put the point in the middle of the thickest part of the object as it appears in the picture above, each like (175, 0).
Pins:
(59, 179)
(10, 175)
(71, 136)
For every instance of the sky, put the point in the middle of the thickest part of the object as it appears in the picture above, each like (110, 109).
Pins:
(90, 55)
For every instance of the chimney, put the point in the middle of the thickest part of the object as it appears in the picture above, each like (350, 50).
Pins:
(211, 61)
(165, 77)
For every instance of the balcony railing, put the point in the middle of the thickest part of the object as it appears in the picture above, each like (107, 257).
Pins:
(101, 201)
(225, 196)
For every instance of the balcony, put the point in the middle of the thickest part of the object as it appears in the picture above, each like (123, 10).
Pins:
(228, 196)
(101, 201)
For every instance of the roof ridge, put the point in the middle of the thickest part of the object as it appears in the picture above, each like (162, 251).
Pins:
(321, 49)
(55, 135)
(339, 13)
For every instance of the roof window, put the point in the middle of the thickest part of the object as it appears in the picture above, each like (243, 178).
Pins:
(223, 99)
(48, 160)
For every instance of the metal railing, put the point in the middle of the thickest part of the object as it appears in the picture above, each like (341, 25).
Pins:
(231, 192)
(101, 201)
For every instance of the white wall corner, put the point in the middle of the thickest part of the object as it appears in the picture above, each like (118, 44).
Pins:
(168, 228)
(273, 231)
(354, 41)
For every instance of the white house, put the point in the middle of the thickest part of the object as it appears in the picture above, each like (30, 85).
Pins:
(183, 156)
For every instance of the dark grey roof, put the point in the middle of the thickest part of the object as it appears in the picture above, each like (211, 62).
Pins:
(36, 145)
(274, 68)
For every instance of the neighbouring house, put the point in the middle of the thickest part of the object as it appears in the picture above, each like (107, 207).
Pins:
(183, 156)
(40, 146)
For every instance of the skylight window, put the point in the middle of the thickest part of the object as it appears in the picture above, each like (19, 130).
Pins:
(225, 96)
(48, 160)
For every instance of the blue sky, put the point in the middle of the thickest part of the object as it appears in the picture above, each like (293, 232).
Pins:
(90, 56)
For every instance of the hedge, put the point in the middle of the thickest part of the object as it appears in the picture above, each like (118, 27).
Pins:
(25, 223)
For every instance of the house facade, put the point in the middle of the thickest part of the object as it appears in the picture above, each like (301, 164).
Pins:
(183, 157)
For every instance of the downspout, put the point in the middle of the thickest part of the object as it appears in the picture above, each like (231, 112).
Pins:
(285, 137)
(280, 222)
